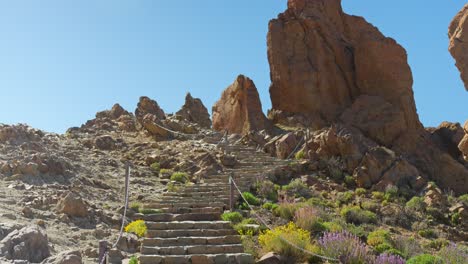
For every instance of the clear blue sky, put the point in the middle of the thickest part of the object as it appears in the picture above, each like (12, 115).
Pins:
(62, 60)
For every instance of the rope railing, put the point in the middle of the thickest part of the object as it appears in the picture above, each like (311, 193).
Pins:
(233, 183)
(104, 253)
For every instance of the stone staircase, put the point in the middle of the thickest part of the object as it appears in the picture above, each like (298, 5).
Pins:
(189, 228)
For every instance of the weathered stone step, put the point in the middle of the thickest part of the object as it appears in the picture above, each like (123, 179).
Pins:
(194, 194)
(176, 197)
(190, 241)
(238, 258)
(190, 233)
(167, 217)
(157, 205)
(196, 249)
(186, 210)
(188, 225)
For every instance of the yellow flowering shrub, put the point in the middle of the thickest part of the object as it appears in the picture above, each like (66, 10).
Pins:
(137, 227)
(275, 240)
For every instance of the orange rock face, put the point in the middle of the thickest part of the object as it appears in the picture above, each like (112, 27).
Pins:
(194, 111)
(458, 47)
(322, 60)
(239, 110)
(463, 145)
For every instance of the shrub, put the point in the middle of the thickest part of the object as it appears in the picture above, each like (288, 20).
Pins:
(137, 227)
(356, 215)
(427, 233)
(166, 171)
(299, 155)
(267, 190)
(361, 192)
(345, 247)
(389, 259)
(453, 254)
(296, 188)
(437, 244)
(155, 167)
(275, 240)
(233, 217)
(250, 244)
(332, 226)
(319, 202)
(425, 259)
(371, 206)
(391, 193)
(308, 218)
(286, 210)
(378, 195)
(181, 177)
(345, 197)
(350, 181)
(378, 237)
(250, 198)
(248, 227)
(270, 206)
(147, 211)
(464, 199)
(455, 218)
(416, 203)
(408, 247)
(135, 206)
(133, 260)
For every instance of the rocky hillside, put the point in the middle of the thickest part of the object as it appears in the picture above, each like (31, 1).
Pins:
(342, 153)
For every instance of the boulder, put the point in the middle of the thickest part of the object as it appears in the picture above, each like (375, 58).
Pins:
(72, 205)
(322, 60)
(447, 136)
(116, 112)
(105, 142)
(154, 127)
(286, 145)
(463, 145)
(270, 258)
(458, 46)
(194, 111)
(29, 243)
(66, 257)
(147, 106)
(239, 110)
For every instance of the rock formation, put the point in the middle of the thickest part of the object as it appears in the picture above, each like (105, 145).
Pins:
(463, 145)
(194, 111)
(239, 110)
(447, 137)
(30, 244)
(147, 106)
(323, 61)
(458, 34)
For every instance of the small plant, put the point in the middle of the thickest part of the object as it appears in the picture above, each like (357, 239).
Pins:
(286, 210)
(133, 260)
(137, 227)
(299, 155)
(345, 247)
(267, 190)
(361, 192)
(427, 233)
(155, 167)
(464, 199)
(408, 246)
(296, 188)
(389, 259)
(416, 203)
(279, 240)
(453, 254)
(332, 227)
(391, 193)
(345, 197)
(181, 177)
(148, 211)
(425, 259)
(166, 171)
(356, 215)
(455, 218)
(233, 217)
(378, 237)
(135, 206)
(350, 181)
(248, 227)
(370, 205)
(269, 206)
(173, 187)
(250, 198)
(308, 218)
(378, 195)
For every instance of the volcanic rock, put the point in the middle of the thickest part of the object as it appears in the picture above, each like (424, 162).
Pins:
(66, 257)
(458, 47)
(29, 243)
(463, 145)
(239, 110)
(322, 60)
(147, 106)
(194, 111)
(447, 137)
(72, 205)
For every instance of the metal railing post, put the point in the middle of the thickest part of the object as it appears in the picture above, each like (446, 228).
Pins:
(102, 250)
(231, 191)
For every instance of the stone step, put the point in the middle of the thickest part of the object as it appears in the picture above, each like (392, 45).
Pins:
(175, 225)
(194, 194)
(186, 210)
(190, 233)
(167, 217)
(190, 241)
(190, 250)
(195, 198)
(237, 258)
(157, 205)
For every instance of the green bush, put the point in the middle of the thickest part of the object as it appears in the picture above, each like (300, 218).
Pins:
(249, 227)
(133, 260)
(299, 155)
(370, 205)
(456, 218)
(332, 227)
(286, 210)
(350, 181)
(274, 240)
(166, 171)
(416, 203)
(137, 227)
(135, 206)
(267, 190)
(148, 211)
(361, 192)
(427, 233)
(425, 259)
(356, 215)
(270, 206)
(391, 193)
(233, 217)
(296, 188)
(464, 199)
(181, 177)
(378, 237)
(250, 198)
(155, 167)
(378, 195)
(344, 197)
(309, 218)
